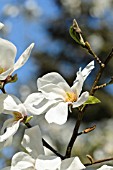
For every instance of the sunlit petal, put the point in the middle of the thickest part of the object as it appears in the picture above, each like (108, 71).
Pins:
(48, 162)
(83, 98)
(50, 78)
(23, 160)
(87, 70)
(23, 58)
(10, 131)
(58, 113)
(105, 167)
(52, 91)
(7, 54)
(71, 164)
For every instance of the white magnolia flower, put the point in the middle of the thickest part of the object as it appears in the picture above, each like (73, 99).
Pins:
(56, 95)
(105, 167)
(7, 58)
(35, 158)
(11, 105)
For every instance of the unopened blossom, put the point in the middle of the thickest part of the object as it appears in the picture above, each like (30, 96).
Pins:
(7, 57)
(56, 96)
(35, 159)
(11, 105)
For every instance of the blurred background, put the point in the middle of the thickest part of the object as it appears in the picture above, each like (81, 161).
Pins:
(46, 23)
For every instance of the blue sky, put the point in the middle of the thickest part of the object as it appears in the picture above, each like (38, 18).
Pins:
(23, 32)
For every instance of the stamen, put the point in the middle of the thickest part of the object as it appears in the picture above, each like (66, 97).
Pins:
(71, 97)
(17, 116)
(1, 70)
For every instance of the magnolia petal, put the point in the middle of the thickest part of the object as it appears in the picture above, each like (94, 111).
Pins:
(22, 161)
(11, 103)
(48, 162)
(105, 167)
(23, 58)
(78, 83)
(32, 143)
(81, 76)
(7, 123)
(50, 78)
(83, 98)
(2, 98)
(10, 131)
(5, 74)
(1, 25)
(52, 91)
(41, 108)
(7, 54)
(34, 98)
(57, 114)
(6, 143)
(87, 70)
(71, 164)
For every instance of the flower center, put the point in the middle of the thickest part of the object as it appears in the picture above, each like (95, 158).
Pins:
(17, 116)
(71, 97)
(1, 70)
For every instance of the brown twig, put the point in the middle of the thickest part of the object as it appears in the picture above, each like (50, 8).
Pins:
(88, 47)
(99, 74)
(74, 135)
(99, 161)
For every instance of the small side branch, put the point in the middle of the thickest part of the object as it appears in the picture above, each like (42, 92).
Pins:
(99, 74)
(98, 161)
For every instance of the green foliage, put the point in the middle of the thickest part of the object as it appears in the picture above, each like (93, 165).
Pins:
(92, 100)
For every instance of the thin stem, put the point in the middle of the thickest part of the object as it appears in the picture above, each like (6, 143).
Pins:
(99, 74)
(3, 90)
(88, 47)
(74, 135)
(99, 161)
(47, 145)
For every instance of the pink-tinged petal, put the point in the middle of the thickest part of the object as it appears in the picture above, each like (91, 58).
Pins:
(23, 58)
(5, 74)
(47, 162)
(72, 163)
(7, 54)
(57, 114)
(10, 130)
(1, 25)
(105, 167)
(50, 78)
(32, 141)
(83, 98)
(52, 91)
(22, 161)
